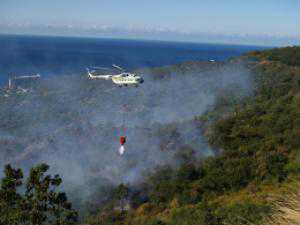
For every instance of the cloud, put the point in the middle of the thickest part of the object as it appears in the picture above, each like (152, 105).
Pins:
(148, 32)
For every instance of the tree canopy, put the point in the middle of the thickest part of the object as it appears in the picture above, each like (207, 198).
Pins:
(34, 201)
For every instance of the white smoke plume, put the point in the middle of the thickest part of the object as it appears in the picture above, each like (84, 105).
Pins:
(72, 123)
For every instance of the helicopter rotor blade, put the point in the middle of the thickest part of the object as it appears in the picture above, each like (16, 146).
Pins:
(100, 67)
(118, 67)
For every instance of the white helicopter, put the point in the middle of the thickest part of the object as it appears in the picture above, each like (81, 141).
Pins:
(122, 79)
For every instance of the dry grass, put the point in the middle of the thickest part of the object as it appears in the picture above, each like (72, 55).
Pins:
(286, 208)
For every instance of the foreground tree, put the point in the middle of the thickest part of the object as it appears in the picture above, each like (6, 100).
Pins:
(37, 202)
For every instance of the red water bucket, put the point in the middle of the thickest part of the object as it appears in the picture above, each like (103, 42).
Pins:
(122, 140)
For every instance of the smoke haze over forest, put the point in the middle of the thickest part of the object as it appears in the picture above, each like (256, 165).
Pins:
(73, 124)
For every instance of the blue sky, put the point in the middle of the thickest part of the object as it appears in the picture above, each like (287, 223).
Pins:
(257, 21)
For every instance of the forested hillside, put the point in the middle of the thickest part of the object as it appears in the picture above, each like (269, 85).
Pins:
(258, 160)
(288, 55)
(253, 177)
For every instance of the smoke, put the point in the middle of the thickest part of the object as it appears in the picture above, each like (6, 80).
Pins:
(74, 124)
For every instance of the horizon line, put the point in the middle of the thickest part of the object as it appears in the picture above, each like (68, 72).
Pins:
(143, 39)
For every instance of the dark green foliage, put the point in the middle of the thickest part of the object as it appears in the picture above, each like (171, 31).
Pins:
(161, 188)
(36, 203)
(122, 191)
(243, 213)
(258, 142)
(111, 217)
(288, 55)
(214, 214)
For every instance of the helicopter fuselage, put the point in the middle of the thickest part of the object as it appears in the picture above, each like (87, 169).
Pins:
(122, 79)
(127, 79)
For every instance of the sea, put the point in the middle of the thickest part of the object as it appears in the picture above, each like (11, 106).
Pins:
(55, 56)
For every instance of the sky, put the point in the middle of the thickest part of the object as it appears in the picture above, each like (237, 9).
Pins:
(265, 22)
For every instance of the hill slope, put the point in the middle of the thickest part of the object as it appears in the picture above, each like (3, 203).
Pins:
(259, 158)
(208, 143)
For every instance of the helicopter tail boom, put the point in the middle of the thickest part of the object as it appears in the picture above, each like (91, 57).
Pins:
(91, 76)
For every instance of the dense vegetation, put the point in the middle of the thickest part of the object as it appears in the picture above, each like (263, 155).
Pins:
(289, 55)
(258, 142)
(36, 202)
(260, 150)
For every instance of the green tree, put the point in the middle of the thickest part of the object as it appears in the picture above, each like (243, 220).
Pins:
(38, 202)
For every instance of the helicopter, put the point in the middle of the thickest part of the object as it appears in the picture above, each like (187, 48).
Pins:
(122, 79)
